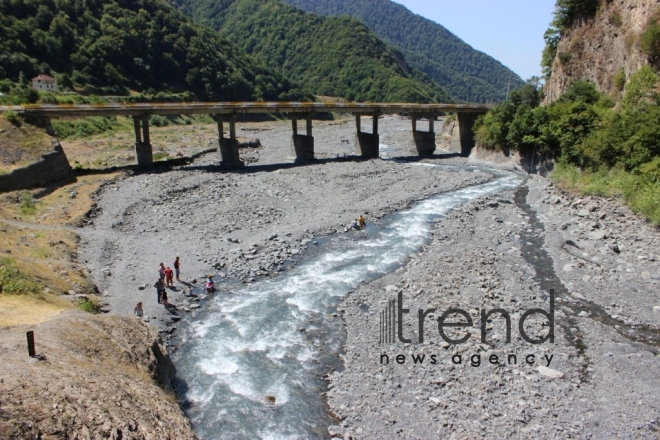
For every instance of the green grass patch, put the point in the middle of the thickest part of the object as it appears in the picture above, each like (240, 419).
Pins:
(26, 203)
(80, 128)
(15, 282)
(161, 156)
(90, 305)
(13, 118)
(640, 192)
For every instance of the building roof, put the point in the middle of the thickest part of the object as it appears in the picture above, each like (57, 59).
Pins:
(42, 76)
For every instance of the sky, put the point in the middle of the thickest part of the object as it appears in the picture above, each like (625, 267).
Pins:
(511, 31)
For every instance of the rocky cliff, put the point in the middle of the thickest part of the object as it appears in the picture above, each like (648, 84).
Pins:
(604, 49)
(100, 379)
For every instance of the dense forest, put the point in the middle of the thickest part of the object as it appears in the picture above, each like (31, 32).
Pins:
(600, 148)
(113, 46)
(335, 56)
(467, 74)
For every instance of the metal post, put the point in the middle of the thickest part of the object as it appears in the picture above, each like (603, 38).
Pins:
(294, 126)
(358, 122)
(375, 129)
(309, 125)
(414, 122)
(30, 342)
(136, 125)
(221, 127)
(431, 119)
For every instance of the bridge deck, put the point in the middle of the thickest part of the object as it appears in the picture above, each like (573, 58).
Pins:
(139, 109)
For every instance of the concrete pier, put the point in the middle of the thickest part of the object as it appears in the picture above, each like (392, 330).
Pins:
(424, 140)
(366, 144)
(465, 122)
(143, 154)
(229, 151)
(302, 146)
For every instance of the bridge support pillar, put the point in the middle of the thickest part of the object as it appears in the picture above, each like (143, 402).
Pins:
(302, 146)
(424, 140)
(143, 154)
(465, 122)
(229, 151)
(367, 144)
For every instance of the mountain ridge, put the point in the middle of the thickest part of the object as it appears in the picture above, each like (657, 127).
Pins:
(466, 73)
(332, 56)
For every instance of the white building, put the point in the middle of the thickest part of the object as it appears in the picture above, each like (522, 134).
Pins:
(44, 82)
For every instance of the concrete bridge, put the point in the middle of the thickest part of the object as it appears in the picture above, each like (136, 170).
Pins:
(302, 145)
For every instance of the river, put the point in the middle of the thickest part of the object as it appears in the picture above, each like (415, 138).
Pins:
(254, 360)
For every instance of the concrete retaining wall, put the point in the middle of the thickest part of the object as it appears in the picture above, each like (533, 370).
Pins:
(52, 167)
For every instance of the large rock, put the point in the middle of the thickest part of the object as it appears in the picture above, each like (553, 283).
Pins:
(549, 373)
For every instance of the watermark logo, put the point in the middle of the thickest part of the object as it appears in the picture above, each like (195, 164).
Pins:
(392, 316)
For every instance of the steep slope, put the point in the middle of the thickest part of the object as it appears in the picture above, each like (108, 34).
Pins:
(337, 56)
(466, 73)
(606, 48)
(115, 45)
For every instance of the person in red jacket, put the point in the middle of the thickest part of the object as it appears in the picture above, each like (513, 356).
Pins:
(168, 277)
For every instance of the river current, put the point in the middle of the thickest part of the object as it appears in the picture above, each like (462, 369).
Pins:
(253, 362)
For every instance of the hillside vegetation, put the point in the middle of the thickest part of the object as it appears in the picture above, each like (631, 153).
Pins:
(335, 56)
(600, 148)
(466, 73)
(111, 46)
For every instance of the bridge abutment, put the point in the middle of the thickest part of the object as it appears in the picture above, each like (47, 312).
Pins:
(424, 140)
(143, 154)
(465, 122)
(367, 144)
(302, 146)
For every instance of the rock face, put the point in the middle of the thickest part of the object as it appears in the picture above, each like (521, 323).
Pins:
(99, 379)
(601, 47)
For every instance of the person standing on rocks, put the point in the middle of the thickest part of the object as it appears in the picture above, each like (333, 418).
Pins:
(138, 311)
(361, 221)
(163, 295)
(168, 277)
(177, 267)
(161, 272)
(159, 289)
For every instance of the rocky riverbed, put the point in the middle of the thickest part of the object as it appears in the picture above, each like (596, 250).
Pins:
(597, 379)
(603, 367)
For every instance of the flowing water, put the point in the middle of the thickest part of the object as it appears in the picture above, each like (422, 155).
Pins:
(254, 360)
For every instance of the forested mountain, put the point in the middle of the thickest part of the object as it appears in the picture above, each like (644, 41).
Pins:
(336, 56)
(115, 45)
(466, 73)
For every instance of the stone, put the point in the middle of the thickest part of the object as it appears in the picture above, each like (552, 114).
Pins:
(435, 400)
(270, 399)
(568, 267)
(577, 295)
(391, 288)
(583, 314)
(656, 309)
(591, 207)
(549, 373)
(583, 213)
(614, 248)
(598, 235)
(335, 431)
